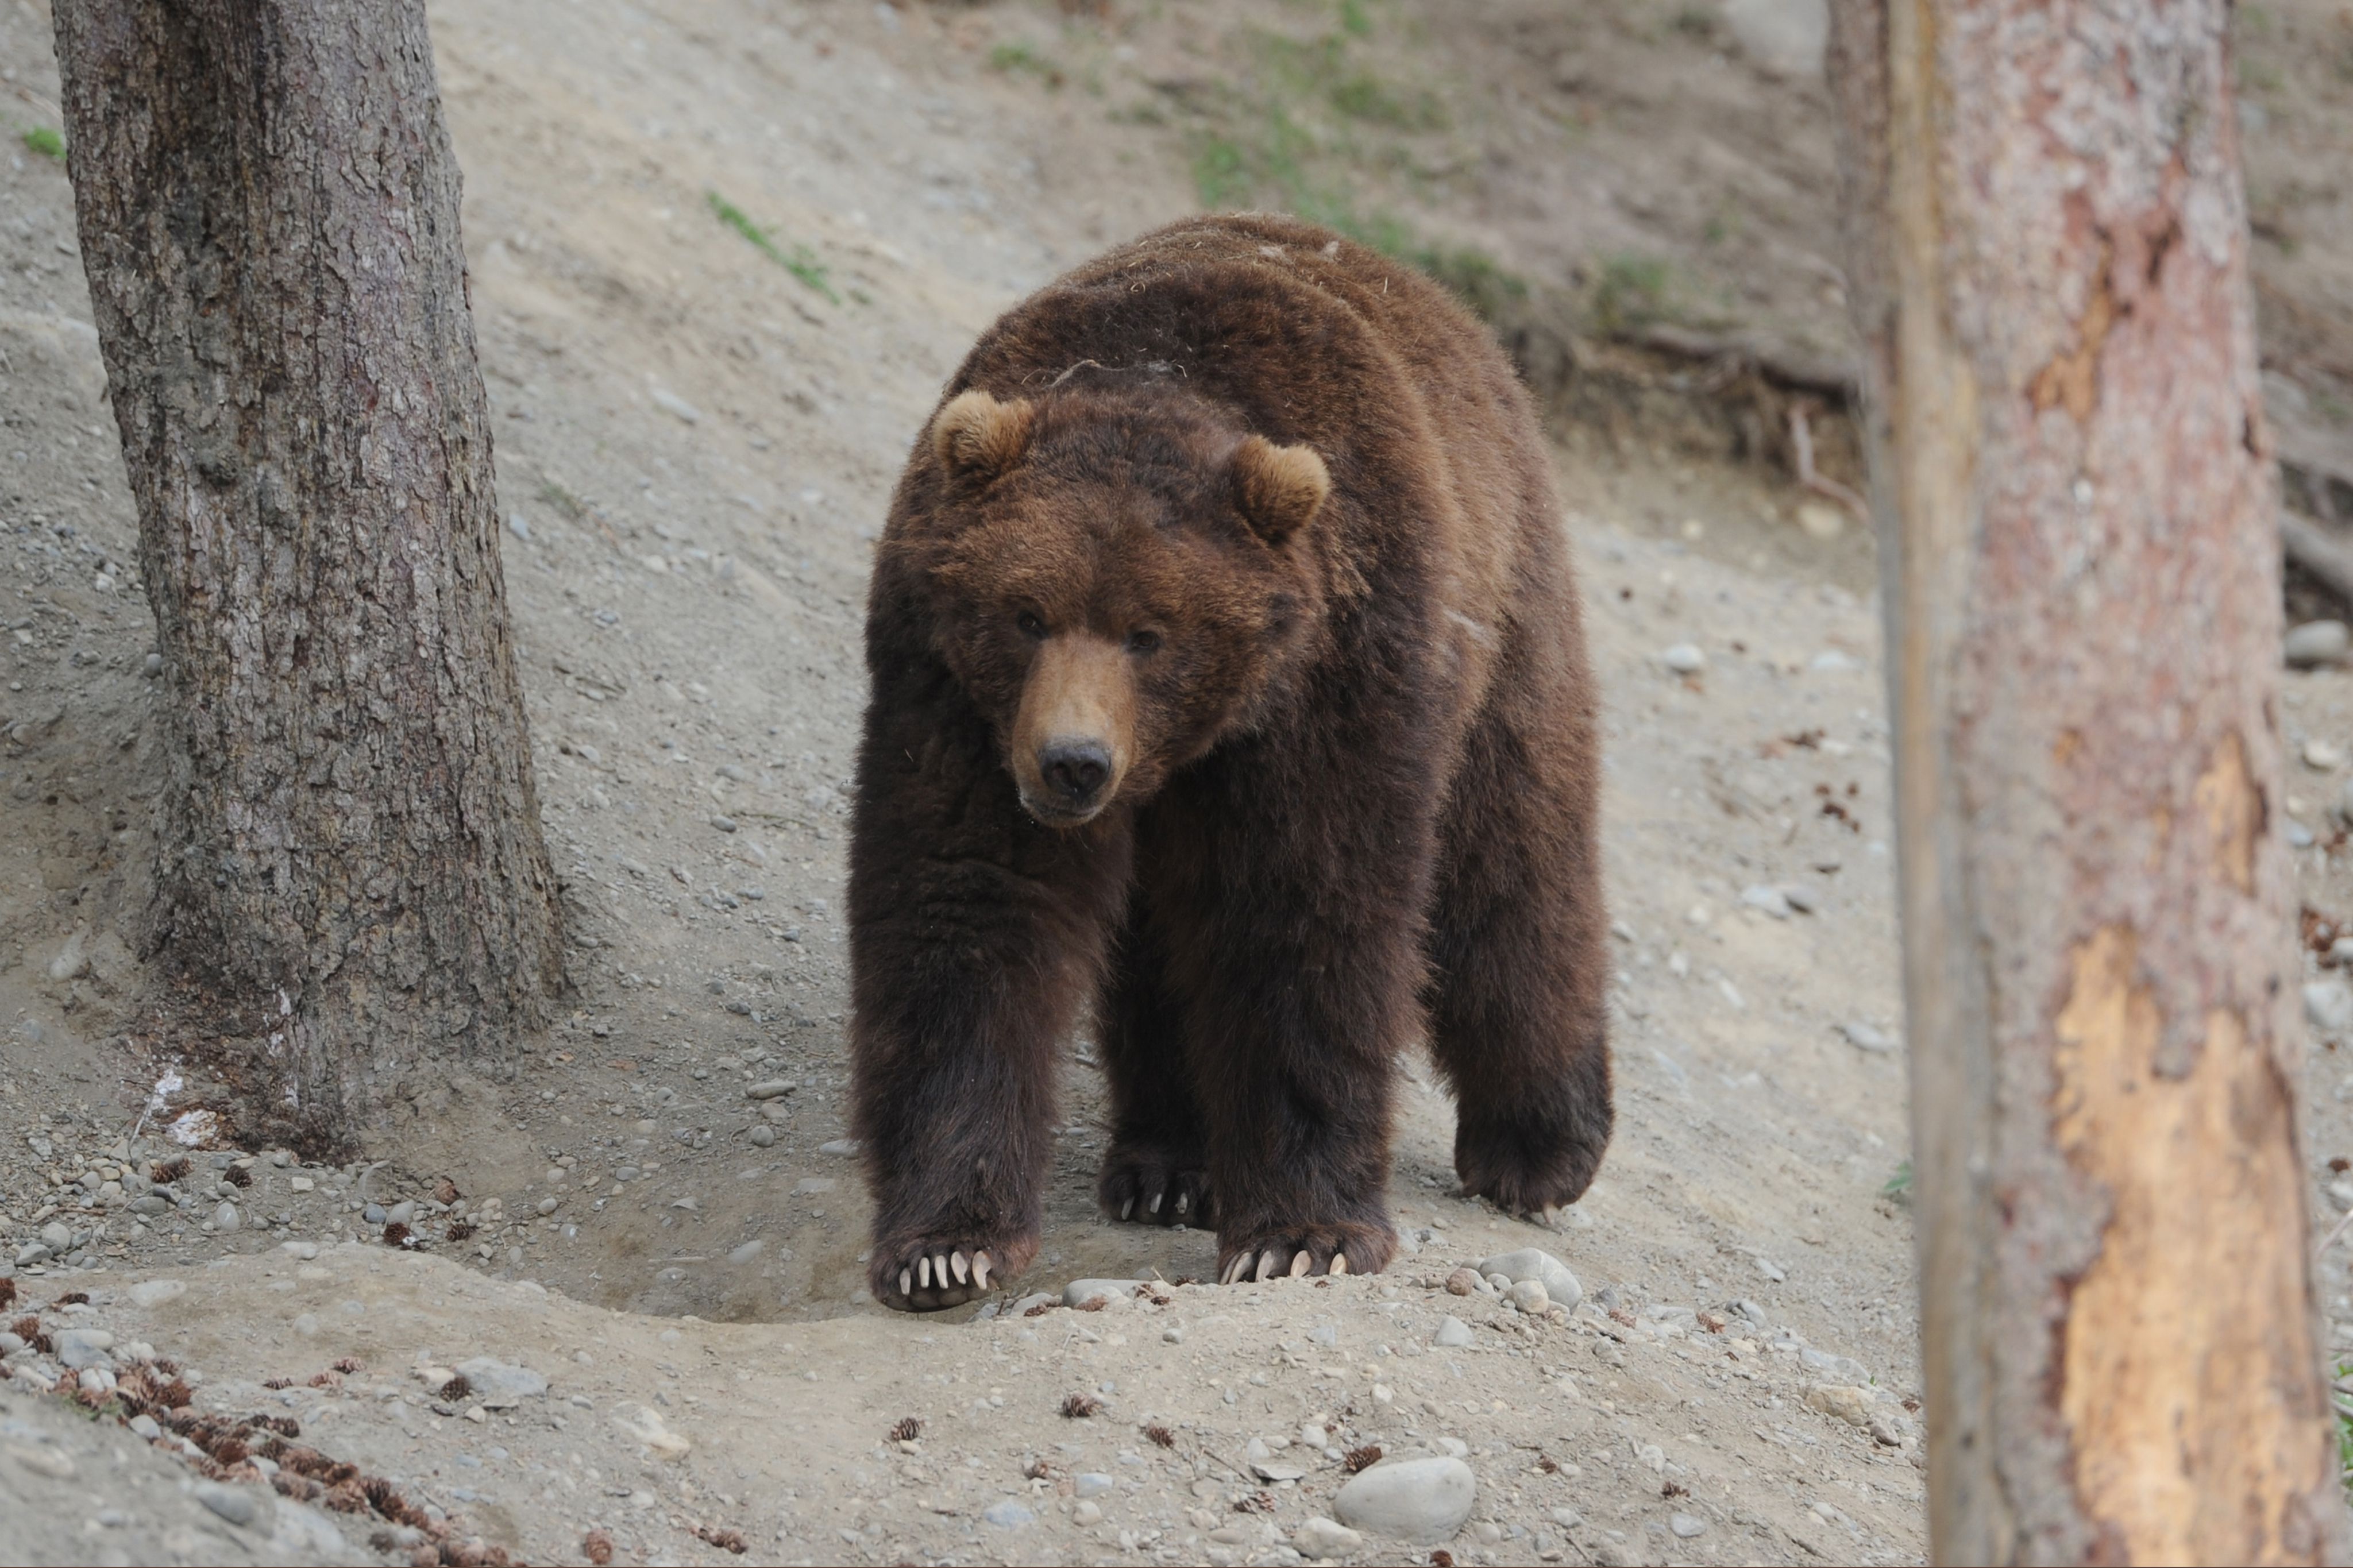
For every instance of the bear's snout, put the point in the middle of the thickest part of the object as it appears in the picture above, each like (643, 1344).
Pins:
(1075, 730)
(1075, 769)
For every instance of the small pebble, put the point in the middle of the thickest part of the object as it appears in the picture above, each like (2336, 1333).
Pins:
(1091, 1483)
(1463, 1282)
(762, 1136)
(1086, 1515)
(234, 1504)
(1007, 1514)
(1319, 1537)
(1687, 1525)
(1534, 1263)
(772, 1088)
(1528, 1295)
(1863, 1037)
(1771, 900)
(1452, 1334)
(225, 1217)
(1684, 659)
(2322, 756)
(2328, 1005)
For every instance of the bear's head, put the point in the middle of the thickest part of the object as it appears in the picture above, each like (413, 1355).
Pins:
(1118, 577)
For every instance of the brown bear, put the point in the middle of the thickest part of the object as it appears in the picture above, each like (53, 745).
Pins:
(1227, 680)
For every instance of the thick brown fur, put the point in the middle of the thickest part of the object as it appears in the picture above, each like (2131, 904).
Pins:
(1227, 682)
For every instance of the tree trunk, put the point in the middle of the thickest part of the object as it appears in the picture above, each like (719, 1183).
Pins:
(2076, 503)
(351, 883)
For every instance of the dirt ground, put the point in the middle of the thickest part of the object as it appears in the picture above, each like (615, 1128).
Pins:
(657, 1213)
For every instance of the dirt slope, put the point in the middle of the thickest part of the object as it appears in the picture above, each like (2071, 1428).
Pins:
(696, 437)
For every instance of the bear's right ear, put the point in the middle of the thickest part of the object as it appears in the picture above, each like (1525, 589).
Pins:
(978, 436)
(1279, 488)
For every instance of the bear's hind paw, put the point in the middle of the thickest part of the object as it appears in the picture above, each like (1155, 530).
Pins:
(1144, 1187)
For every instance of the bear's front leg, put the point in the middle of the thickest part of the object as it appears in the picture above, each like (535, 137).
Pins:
(975, 936)
(1298, 961)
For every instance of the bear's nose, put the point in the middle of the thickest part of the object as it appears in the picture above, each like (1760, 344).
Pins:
(1074, 769)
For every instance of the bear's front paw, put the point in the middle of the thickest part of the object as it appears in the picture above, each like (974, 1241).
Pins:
(1344, 1246)
(928, 1274)
(1154, 1185)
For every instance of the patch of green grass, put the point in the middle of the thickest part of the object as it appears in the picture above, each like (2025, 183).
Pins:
(563, 500)
(800, 261)
(1355, 20)
(46, 143)
(1020, 59)
(1632, 290)
(1899, 1186)
(1363, 96)
(2344, 1428)
(1696, 22)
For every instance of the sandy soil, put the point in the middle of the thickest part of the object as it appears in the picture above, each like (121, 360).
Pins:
(656, 1213)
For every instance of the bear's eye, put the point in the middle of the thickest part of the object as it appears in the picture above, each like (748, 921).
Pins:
(1143, 642)
(1029, 624)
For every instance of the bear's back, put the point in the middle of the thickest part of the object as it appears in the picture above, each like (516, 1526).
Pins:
(1432, 441)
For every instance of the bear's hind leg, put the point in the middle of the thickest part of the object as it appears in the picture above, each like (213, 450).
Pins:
(1517, 1009)
(1157, 1169)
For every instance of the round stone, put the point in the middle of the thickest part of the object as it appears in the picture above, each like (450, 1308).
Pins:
(1421, 1501)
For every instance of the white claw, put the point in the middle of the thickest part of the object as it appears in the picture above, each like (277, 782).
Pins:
(1127, 1208)
(1301, 1263)
(1339, 1262)
(1266, 1264)
(1234, 1269)
(955, 1261)
(906, 1282)
(980, 1269)
(940, 1269)
(1154, 1207)
(1184, 1201)
(923, 1272)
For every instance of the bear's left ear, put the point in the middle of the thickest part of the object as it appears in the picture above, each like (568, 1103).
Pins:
(978, 436)
(1279, 488)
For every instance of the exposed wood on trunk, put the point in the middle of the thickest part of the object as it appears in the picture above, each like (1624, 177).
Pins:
(351, 862)
(2077, 510)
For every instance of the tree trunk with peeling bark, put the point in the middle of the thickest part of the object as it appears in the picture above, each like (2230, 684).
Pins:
(2081, 561)
(351, 884)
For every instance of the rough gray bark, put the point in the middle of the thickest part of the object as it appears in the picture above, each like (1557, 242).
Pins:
(2077, 508)
(351, 875)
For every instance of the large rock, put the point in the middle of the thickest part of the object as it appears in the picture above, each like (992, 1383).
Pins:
(1537, 1264)
(1784, 37)
(499, 1386)
(2317, 643)
(1850, 1404)
(1420, 1501)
